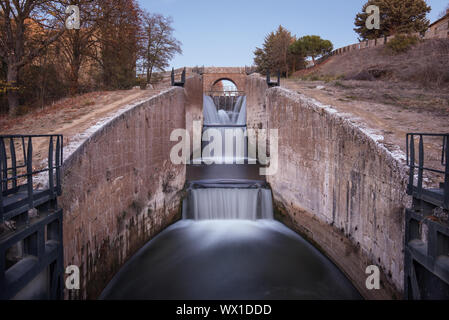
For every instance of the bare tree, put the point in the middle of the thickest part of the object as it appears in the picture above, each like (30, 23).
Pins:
(78, 44)
(18, 46)
(159, 46)
(117, 42)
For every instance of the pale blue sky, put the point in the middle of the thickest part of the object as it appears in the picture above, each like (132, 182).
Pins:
(225, 33)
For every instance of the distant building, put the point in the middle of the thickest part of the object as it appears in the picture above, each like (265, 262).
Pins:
(440, 28)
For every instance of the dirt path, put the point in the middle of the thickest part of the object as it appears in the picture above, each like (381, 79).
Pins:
(70, 116)
(393, 110)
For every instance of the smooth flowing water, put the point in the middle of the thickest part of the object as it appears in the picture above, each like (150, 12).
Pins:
(229, 259)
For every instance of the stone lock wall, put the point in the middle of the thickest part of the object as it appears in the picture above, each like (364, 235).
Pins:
(120, 189)
(335, 185)
(194, 103)
(340, 189)
(257, 116)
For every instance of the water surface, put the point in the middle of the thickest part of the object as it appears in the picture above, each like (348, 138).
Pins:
(232, 259)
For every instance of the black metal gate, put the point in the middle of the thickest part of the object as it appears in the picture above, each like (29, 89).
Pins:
(427, 226)
(31, 251)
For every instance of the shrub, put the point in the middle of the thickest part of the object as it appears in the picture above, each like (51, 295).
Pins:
(402, 43)
(141, 83)
(22, 110)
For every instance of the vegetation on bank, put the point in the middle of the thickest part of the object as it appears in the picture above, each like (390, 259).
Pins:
(41, 60)
(403, 58)
(285, 52)
(396, 17)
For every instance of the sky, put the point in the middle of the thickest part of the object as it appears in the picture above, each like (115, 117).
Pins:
(225, 33)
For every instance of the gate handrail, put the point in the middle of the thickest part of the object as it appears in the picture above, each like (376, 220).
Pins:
(11, 181)
(418, 191)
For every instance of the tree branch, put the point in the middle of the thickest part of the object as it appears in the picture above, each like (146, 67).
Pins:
(33, 54)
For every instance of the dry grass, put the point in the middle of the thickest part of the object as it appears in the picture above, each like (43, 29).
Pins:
(392, 108)
(426, 64)
(69, 116)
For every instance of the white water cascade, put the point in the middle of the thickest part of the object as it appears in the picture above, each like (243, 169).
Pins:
(213, 116)
(221, 201)
(229, 125)
(229, 204)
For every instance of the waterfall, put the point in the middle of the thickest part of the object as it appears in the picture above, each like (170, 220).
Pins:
(228, 203)
(232, 147)
(224, 124)
(223, 117)
(215, 116)
(241, 118)
(210, 111)
(225, 142)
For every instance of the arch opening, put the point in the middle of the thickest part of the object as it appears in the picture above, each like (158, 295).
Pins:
(225, 95)
(224, 87)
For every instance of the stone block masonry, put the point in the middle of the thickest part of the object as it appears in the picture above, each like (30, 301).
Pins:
(340, 188)
(256, 87)
(120, 189)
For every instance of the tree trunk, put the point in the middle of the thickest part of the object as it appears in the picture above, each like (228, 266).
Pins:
(13, 92)
(74, 77)
(75, 65)
(149, 74)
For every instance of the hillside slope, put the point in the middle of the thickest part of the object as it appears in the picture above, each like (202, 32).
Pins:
(426, 63)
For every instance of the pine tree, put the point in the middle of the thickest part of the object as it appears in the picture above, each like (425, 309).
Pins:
(312, 46)
(396, 16)
(275, 53)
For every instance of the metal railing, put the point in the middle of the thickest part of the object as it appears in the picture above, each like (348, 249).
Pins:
(438, 196)
(250, 70)
(272, 83)
(178, 83)
(225, 93)
(31, 244)
(17, 193)
(225, 100)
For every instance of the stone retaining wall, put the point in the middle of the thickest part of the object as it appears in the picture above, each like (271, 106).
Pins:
(120, 189)
(340, 188)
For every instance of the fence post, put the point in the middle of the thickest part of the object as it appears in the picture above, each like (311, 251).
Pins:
(446, 176)
(412, 164)
(29, 166)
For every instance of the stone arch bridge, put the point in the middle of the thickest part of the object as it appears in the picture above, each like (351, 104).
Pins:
(234, 74)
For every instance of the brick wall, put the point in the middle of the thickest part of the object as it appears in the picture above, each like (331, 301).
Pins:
(120, 189)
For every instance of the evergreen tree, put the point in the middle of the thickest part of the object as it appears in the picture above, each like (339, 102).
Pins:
(275, 53)
(312, 46)
(396, 16)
